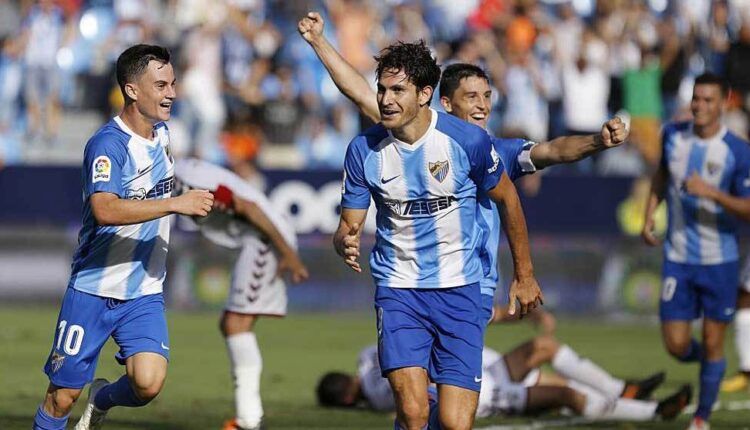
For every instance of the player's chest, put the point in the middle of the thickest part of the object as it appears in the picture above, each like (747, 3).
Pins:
(711, 161)
(149, 171)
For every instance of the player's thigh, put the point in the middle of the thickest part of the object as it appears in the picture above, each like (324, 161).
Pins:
(517, 361)
(679, 299)
(457, 406)
(141, 327)
(405, 338)
(256, 290)
(717, 290)
(83, 328)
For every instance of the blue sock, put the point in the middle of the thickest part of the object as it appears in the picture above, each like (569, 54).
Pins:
(42, 421)
(694, 352)
(711, 374)
(118, 393)
(397, 426)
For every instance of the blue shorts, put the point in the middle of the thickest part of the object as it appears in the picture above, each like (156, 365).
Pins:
(86, 322)
(488, 308)
(689, 290)
(440, 330)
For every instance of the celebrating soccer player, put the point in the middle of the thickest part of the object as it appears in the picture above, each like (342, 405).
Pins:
(115, 288)
(424, 170)
(700, 273)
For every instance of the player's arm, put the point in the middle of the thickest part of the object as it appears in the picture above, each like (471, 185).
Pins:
(568, 149)
(737, 206)
(655, 197)
(348, 80)
(110, 209)
(524, 286)
(346, 238)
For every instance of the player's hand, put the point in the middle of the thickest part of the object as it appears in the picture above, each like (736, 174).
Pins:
(193, 203)
(526, 290)
(696, 186)
(311, 26)
(614, 133)
(350, 249)
(649, 233)
(290, 263)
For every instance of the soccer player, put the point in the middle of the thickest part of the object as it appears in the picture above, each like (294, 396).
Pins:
(700, 272)
(424, 170)
(244, 218)
(513, 384)
(115, 287)
(465, 93)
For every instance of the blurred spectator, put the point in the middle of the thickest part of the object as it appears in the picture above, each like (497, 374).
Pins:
(738, 64)
(356, 23)
(585, 86)
(526, 113)
(643, 102)
(281, 108)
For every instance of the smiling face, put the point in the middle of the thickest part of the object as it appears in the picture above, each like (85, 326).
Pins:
(706, 105)
(471, 101)
(399, 100)
(154, 91)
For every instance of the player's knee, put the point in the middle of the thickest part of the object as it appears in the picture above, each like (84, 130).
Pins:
(677, 346)
(456, 421)
(414, 414)
(147, 393)
(546, 346)
(61, 401)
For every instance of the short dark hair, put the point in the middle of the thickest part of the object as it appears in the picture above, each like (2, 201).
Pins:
(453, 74)
(712, 79)
(414, 59)
(134, 60)
(333, 389)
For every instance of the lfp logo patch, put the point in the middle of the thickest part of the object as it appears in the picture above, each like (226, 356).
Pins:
(101, 169)
(439, 169)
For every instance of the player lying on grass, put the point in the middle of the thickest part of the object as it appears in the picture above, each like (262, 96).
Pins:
(244, 219)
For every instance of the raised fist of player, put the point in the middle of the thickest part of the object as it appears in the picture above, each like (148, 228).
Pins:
(311, 26)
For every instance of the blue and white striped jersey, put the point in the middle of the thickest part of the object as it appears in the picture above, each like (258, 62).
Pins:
(516, 157)
(427, 234)
(699, 231)
(126, 261)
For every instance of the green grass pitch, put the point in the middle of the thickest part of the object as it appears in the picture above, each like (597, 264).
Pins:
(296, 351)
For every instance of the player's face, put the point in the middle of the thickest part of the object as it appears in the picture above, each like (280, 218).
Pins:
(399, 100)
(156, 91)
(471, 101)
(707, 104)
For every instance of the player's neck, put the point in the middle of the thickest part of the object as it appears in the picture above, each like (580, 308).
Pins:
(414, 129)
(707, 131)
(136, 122)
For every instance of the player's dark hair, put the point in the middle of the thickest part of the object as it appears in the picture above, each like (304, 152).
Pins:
(414, 59)
(453, 74)
(712, 79)
(134, 60)
(333, 389)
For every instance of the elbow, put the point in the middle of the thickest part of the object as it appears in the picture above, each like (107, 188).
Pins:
(104, 218)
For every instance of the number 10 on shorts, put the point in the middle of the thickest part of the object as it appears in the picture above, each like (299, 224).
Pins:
(73, 338)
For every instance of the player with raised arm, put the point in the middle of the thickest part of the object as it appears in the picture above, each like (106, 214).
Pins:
(465, 93)
(513, 384)
(243, 218)
(424, 169)
(700, 272)
(119, 267)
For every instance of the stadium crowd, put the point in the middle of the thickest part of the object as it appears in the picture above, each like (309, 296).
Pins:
(248, 82)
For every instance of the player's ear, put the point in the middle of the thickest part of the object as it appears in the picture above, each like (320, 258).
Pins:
(446, 102)
(424, 95)
(131, 91)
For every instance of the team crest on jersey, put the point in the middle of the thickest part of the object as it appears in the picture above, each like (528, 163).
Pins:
(101, 169)
(439, 169)
(393, 205)
(56, 361)
(712, 168)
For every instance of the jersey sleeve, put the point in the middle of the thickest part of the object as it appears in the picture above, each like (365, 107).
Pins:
(103, 162)
(355, 193)
(486, 166)
(741, 179)
(516, 156)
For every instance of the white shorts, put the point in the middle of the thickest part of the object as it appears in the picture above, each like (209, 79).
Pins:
(256, 290)
(499, 394)
(745, 276)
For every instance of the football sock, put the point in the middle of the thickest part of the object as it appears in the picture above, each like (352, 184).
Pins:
(693, 353)
(596, 404)
(570, 365)
(42, 421)
(599, 406)
(742, 338)
(118, 393)
(247, 365)
(711, 374)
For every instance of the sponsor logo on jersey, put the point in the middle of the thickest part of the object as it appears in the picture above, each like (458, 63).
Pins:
(101, 169)
(417, 207)
(56, 361)
(439, 169)
(163, 187)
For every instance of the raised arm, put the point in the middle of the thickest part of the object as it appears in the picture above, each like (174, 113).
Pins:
(524, 286)
(348, 80)
(110, 209)
(568, 149)
(346, 238)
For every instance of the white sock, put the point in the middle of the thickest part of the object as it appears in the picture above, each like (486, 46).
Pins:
(601, 407)
(567, 363)
(742, 338)
(247, 365)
